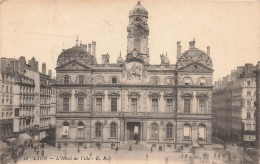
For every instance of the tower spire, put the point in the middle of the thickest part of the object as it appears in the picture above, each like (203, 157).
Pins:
(77, 40)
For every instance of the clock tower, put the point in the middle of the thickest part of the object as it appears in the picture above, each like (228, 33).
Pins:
(138, 31)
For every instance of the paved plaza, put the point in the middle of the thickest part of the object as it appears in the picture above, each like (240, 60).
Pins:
(106, 155)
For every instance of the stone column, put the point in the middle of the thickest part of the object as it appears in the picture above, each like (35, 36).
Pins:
(125, 130)
(122, 126)
(144, 129)
(141, 131)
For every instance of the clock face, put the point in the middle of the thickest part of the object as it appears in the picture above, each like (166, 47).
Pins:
(137, 19)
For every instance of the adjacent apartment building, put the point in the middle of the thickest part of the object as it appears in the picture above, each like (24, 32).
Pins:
(21, 86)
(234, 105)
(165, 105)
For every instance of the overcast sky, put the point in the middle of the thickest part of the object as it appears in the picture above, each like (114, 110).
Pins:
(43, 28)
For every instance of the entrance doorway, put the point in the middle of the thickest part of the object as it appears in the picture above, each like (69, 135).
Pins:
(134, 131)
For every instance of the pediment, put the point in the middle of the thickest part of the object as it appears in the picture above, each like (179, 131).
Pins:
(73, 65)
(195, 67)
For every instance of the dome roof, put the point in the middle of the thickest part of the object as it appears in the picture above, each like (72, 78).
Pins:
(194, 55)
(120, 59)
(166, 60)
(138, 10)
(77, 53)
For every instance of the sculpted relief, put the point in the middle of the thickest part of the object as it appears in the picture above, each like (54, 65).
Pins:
(186, 59)
(134, 71)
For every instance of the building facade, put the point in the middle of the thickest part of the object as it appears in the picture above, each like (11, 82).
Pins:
(21, 108)
(234, 105)
(166, 105)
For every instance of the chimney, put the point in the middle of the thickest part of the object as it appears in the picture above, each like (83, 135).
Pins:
(249, 69)
(178, 50)
(233, 74)
(22, 63)
(208, 50)
(89, 48)
(34, 64)
(192, 44)
(94, 48)
(44, 68)
(50, 73)
(105, 58)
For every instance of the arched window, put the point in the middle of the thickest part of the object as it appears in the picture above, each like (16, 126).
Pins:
(187, 132)
(65, 129)
(113, 130)
(248, 103)
(80, 130)
(154, 131)
(114, 80)
(66, 103)
(66, 79)
(169, 130)
(248, 115)
(202, 132)
(98, 129)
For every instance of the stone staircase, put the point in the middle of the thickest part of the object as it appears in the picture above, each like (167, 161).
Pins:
(140, 146)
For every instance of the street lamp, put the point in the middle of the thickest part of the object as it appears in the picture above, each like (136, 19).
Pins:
(65, 144)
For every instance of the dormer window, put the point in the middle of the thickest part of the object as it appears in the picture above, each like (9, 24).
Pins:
(114, 80)
(66, 79)
(169, 81)
(99, 80)
(187, 81)
(202, 81)
(81, 79)
(248, 83)
(154, 80)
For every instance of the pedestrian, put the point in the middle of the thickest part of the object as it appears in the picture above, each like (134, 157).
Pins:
(37, 151)
(146, 156)
(59, 146)
(151, 149)
(34, 148)
(90, 154)
(78, 149)
(85, 146)
(42, 152)
(130, 148)
(218, 156)
(42, 145)
(31, 145)
(215, 155)
(116, 149)
(181, 155)
(166, 160)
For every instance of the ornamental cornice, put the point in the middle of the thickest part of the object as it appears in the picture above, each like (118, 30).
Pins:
(113, 93)
(99, 93)
(186, 94)
(202, 94)
(79, 93)
(134, 93)
(154, 94)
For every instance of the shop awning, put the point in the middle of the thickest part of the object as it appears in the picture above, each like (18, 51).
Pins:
(11, 140)
(24, 137)
(3, 145)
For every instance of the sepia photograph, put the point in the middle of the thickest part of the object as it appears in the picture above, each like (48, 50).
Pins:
(129, 81)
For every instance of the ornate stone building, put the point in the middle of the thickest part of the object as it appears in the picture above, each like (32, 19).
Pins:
(106, 104)
(234, 106)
